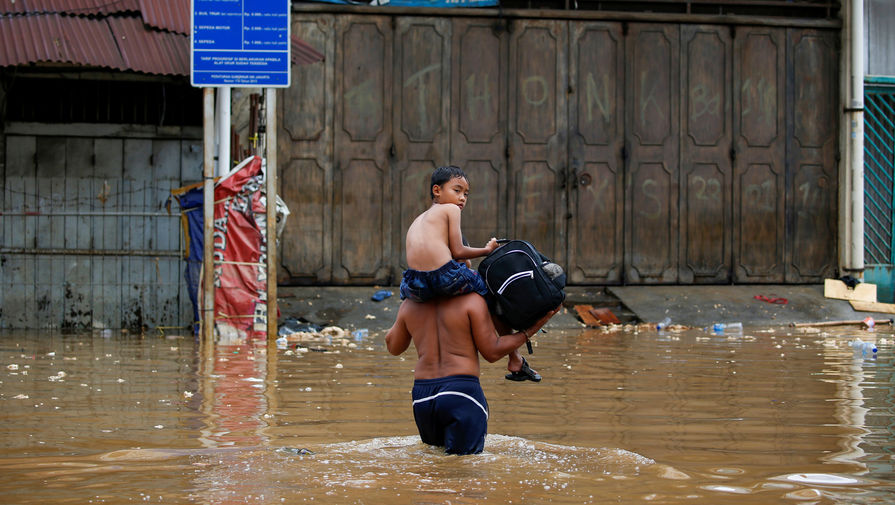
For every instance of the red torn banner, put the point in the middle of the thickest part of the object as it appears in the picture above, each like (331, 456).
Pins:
(240, 250)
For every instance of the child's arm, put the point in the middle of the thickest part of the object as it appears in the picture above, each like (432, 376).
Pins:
(455, 238)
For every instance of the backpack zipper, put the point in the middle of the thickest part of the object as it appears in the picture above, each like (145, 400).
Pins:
(507, 253)
(517, 275)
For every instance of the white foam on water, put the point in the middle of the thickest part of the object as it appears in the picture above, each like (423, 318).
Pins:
(728, 489)
(822, 479)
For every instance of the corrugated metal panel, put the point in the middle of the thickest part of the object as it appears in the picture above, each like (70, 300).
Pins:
(150, 51)
(55, 38)
(173, 15)
(75, 7)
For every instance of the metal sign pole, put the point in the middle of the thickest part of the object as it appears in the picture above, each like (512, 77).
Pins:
(208, 217)
(270, 114)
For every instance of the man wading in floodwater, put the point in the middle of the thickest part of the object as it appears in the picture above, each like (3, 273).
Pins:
(449, 334)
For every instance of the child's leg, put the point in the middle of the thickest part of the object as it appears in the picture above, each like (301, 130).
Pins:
(514, 361)
(519, 369)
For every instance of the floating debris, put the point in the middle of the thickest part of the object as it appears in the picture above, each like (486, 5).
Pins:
(59, 376)
(295, 451)
(306, 341)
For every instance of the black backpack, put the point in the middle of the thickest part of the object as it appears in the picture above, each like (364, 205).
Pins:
(523, 284)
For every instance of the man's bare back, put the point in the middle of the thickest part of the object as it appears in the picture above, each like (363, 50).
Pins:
(450, 333)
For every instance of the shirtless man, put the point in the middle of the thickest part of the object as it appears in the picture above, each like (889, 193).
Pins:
(449, 333)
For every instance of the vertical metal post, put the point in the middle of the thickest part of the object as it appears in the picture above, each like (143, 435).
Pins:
(855, 117)
(223, 127)
(270, 112)
(208, 217)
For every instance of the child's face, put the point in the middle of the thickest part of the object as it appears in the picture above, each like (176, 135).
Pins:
(454, 191)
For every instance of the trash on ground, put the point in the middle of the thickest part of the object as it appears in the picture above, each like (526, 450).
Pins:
(859, 322)
(380, 295)
(596, 317)
(295, 325)
(585, 315)
(863, 292)
(885, 308)
(774, 299)
(605, 315)
(316, 340)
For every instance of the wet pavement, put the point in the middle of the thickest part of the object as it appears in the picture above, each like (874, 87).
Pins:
(696, 306)
(702, 306)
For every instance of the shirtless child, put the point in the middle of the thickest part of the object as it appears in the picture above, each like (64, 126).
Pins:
(434, 244)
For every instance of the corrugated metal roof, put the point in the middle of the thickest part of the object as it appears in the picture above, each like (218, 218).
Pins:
(150, 36)
(73, 7)
(58, 39)
(150, 51)
(173, 16)
(170, 15)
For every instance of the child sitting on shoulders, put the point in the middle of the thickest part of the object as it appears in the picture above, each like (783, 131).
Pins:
(434, 245)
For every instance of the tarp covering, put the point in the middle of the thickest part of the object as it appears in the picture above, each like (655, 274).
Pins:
(240, 248)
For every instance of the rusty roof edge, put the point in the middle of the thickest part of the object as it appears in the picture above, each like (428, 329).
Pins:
(75, 8)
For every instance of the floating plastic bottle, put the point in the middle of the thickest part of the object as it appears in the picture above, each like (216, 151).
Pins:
(663, 324)
(722, 327)
(864, 347)
(281, 342)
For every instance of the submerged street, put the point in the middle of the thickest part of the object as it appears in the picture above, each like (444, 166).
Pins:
(769, 415)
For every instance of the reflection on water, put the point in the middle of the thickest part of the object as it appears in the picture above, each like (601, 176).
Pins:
(771, 416)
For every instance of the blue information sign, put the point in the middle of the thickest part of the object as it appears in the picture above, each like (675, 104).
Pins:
(240, 43)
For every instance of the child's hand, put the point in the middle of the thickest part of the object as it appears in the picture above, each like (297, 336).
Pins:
(491, 245)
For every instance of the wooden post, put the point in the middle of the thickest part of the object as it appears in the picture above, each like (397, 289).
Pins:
(208, 217)
(270, 113)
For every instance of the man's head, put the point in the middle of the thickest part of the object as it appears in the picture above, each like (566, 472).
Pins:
(443, 175)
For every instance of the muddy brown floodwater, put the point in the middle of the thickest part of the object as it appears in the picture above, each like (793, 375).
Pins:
(767, 416)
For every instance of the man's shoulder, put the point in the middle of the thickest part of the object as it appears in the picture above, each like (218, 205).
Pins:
(468, 301)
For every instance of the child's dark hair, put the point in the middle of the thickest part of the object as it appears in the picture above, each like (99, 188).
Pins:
(442, 175)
